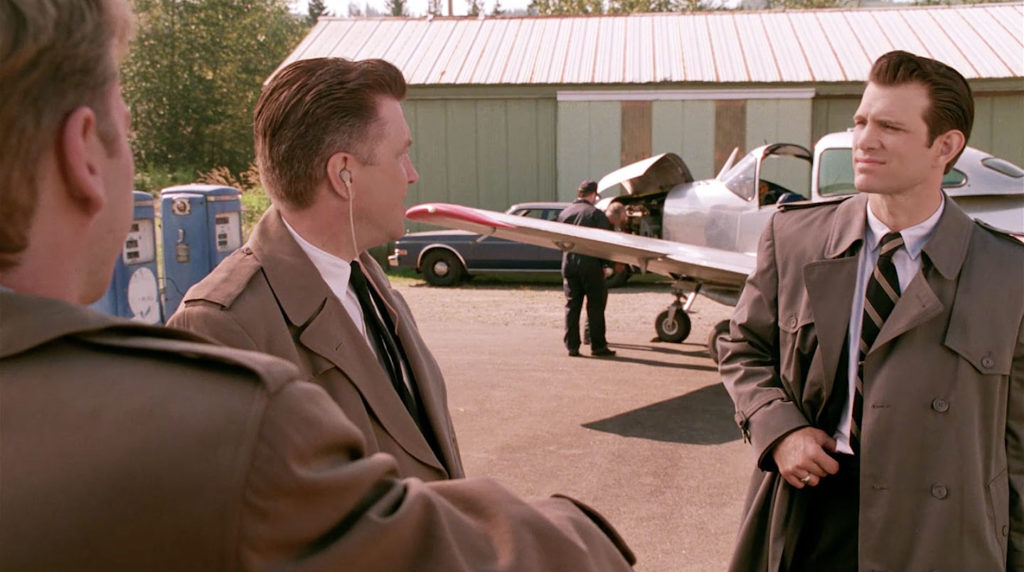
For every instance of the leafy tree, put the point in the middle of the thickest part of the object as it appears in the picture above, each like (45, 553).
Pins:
(193, 77)
(354, 11)
(434, 7)
(315, 9)
(497, 10)
(475, 7)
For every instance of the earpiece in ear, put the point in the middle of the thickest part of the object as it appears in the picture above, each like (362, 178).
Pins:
(346, 177)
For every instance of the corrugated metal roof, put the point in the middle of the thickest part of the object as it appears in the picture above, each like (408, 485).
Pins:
(981, 41)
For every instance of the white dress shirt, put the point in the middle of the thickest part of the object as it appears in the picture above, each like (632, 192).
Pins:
(908, 264)
(335, 272)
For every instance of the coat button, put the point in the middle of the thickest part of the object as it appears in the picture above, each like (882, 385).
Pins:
(939, 491)
(1006, 530)
(246, 250)
(987, 362)
(940, 405)
(792, 321)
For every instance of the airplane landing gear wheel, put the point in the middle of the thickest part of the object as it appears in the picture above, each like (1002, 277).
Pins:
(720, 330)
(672, 325)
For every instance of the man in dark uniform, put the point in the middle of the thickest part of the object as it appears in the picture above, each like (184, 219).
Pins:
(583, 276)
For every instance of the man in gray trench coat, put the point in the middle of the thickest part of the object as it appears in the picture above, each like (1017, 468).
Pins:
(888, 435)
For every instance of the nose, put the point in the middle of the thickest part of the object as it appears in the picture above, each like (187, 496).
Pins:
(865, 136)
(410, 172)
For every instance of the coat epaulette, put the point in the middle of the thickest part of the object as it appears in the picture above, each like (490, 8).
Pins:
(227, 280)
(1001, 233)
(272, 371)
(797, 205)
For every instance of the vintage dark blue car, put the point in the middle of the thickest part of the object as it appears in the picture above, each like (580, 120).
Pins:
(446, 257)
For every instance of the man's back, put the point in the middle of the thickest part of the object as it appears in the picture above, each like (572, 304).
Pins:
(128, 447)
(125, 433)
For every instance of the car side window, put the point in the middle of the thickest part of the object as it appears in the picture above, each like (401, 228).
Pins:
(543, 214)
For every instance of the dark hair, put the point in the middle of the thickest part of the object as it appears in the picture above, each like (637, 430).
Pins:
(55, 56)
(951, 103)
(586, 188)
(313, 109)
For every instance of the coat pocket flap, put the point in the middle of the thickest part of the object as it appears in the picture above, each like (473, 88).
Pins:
(989, 350)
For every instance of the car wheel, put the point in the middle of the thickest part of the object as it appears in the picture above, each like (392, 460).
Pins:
(442, 268)
(619, 279)
(672, 326)
(720, 330)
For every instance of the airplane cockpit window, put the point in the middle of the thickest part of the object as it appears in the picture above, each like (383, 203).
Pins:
(741, 178)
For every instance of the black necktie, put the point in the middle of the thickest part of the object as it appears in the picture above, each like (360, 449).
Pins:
(381, 333)
(882, 293)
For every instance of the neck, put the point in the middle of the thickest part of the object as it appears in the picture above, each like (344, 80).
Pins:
(903, 211)
(322, 226)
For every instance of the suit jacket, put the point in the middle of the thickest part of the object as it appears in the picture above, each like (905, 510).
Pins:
(127, 447)
(267, 296)
(942, 443)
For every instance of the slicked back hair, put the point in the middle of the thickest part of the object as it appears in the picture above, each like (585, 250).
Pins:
(55, 56)
(951, 104)
(313, 109)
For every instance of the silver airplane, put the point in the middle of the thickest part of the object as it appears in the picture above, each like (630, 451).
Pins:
(704, 234)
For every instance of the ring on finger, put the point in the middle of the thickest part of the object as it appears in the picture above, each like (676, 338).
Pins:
(806, 479)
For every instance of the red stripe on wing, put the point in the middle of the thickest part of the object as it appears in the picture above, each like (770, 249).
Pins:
(431, 212)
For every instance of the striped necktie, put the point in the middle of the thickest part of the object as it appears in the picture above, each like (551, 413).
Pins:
(882, 293)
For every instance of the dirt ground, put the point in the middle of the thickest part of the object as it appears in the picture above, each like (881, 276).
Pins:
(647, 438)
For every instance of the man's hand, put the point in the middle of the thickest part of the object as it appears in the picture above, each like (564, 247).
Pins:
(803, 457)
(608, 271)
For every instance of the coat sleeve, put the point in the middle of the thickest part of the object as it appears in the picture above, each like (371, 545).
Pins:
(1015, 456)
(749, 364)
(314, 502)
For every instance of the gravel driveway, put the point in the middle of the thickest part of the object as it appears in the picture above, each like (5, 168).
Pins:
(647, 437)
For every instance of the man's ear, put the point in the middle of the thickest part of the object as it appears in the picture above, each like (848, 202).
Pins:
(79, 154)
(339, 174)
(949, 144)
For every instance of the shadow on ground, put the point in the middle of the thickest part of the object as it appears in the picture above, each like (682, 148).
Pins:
(701, 417)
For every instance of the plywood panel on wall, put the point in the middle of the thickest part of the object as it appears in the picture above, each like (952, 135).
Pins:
(636, 131)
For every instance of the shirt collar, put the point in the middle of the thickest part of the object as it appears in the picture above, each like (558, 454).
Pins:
(335, 271)
(914, 237)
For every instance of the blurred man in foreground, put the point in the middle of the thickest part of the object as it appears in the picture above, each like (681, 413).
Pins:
(127, 447)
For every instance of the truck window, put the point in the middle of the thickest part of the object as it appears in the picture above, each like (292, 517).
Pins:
(835, 172)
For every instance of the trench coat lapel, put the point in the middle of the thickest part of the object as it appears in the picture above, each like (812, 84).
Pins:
(830, 283)
(945, 252)
(428, 384)
(328, 331)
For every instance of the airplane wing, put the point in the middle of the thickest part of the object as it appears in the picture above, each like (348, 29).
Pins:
(712, 266)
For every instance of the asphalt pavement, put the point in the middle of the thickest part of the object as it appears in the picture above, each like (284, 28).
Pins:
(647, 437)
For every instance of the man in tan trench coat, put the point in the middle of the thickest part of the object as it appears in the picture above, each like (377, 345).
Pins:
(332, 149)
(903, 452)
(129, 447)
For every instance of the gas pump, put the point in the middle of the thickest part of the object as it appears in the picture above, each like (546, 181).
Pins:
(134, 290)
(202, 225)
